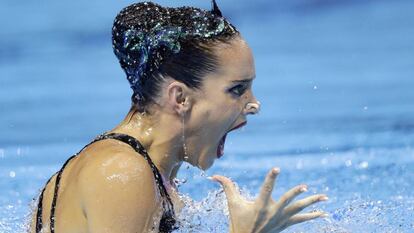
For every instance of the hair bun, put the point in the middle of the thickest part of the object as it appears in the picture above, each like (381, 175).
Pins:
(145, 34)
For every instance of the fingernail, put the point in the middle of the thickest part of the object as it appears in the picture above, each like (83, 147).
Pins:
(276, 170)
(303, 189)
(323, 198)
(210, 178)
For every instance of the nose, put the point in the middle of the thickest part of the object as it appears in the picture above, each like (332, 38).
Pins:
(252, 108)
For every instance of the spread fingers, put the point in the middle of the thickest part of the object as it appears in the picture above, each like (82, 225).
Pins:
(299, 205)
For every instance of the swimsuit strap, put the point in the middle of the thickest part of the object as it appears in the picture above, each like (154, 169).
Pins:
(167, 221)
(39, 221)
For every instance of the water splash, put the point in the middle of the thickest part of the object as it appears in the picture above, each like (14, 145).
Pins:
(211, 215)
(13, 220)
(207, 215)
(364, 216)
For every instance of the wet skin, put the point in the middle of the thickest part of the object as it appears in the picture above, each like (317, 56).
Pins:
(109, 188)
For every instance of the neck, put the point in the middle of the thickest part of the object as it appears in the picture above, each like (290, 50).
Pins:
(160, 136)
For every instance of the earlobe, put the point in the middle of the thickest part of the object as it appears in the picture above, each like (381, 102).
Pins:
(184, 106)
(182, 109)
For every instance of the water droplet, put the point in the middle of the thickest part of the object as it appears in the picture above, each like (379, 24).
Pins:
(12, 174)
(363, 165)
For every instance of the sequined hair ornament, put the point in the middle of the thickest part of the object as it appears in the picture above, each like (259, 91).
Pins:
(145, 34)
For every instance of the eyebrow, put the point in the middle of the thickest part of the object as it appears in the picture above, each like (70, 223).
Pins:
(243, 80)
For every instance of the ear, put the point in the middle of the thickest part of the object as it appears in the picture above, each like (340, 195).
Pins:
(179, 97)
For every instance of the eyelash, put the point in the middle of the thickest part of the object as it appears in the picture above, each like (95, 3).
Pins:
(238, 90)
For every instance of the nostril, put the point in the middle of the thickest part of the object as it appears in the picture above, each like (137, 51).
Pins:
(252, 108)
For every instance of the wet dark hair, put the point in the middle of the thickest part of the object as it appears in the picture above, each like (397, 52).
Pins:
(153, 42)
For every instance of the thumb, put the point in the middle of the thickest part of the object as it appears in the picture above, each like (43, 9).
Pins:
(229, 187)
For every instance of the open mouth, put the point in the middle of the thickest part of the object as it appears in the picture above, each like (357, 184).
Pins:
(220, 148)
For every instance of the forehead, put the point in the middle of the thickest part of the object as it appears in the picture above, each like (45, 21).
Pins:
(235, 61)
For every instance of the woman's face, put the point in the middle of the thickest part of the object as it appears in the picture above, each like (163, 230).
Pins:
(221, 104)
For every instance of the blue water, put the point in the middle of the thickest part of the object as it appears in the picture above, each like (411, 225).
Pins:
(335, 79)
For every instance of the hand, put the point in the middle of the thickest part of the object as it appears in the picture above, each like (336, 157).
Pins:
(265, 214)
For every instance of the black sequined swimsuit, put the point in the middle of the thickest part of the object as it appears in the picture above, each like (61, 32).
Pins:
(167, 223)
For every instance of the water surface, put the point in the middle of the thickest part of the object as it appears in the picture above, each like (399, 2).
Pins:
(335, 79)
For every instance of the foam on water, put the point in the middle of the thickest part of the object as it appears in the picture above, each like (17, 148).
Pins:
(208, 215)
(370, 191)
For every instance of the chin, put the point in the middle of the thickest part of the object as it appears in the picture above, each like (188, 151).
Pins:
(206, 162)
(205, 167)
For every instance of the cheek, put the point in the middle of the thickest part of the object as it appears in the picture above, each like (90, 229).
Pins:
(218, 113)
(237, 105)
(227, 111)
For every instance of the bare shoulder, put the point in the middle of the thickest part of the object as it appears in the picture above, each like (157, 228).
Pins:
(109, 157)
(116, 186)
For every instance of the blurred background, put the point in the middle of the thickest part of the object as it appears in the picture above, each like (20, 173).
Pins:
(335, 78)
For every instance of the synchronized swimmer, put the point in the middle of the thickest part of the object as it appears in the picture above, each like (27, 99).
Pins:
(191, 74)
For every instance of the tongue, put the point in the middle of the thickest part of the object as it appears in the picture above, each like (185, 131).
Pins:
(220, 148)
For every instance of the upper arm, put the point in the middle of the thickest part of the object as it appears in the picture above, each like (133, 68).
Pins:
(118, 193)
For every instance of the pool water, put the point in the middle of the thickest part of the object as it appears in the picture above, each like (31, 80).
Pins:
(335, 79)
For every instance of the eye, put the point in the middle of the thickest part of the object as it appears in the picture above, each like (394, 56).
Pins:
(238, 90)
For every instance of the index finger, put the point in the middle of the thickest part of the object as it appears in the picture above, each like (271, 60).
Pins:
(268, 185)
